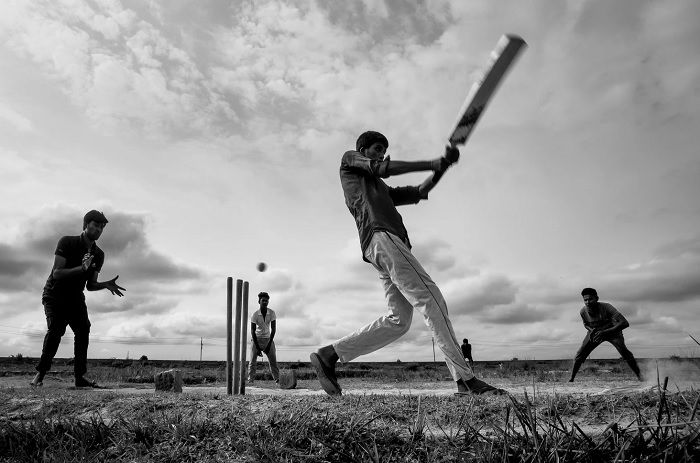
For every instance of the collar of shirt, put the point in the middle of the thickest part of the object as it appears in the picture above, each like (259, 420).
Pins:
(89, 247)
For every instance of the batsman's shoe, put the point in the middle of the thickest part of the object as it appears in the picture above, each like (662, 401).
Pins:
(326, 375)
(478, 387)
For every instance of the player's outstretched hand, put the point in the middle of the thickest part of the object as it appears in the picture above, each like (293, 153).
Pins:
(451, 154)
(114, 287)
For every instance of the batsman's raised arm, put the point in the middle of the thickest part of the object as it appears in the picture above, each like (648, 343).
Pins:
(368, 163)
(405, 167)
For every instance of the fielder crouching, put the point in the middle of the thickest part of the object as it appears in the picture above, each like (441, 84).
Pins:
(603, 322)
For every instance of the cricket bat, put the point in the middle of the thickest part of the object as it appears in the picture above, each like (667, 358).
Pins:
(502, 58)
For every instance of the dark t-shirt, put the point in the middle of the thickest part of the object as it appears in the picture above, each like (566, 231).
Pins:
(467, 351)
(371, 201)
(604, 317)
(73, 248)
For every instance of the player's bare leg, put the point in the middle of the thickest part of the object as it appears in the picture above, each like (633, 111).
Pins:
(324, 361)
(587, 346)
(38, 379)
(619, 344)
(574, 370)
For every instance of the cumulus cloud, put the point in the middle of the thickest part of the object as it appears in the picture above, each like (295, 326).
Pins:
(16, 268)
(135, 304)
(175, 326)
(124, 72)
(18, 121)
(672, 274)
(635, 315)
(349, 272)
(276, 280)
(127, 245)
(513, 314)
(289, 84)
(478, 294)
(435, 255)
(25, 263)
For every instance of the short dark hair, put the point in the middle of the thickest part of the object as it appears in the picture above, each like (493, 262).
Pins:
(263, 294)
(369, 138)
(465, 341)
(94, 216)
(589, 291)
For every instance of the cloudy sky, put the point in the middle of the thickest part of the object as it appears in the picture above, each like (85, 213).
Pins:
(210, 133)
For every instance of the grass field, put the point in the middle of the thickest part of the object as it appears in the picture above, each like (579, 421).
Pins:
(604, 416)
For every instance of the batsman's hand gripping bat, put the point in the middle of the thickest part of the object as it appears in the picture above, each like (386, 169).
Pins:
(502, 57)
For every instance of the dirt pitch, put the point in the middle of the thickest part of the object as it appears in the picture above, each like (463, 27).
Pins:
(583, 387)
(397, 412)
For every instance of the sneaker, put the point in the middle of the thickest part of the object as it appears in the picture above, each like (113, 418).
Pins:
(38, 380)
(84, 382)
(326, 375)
(478, 387)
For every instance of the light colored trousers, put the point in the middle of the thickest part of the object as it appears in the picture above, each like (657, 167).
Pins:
(407, 286)
(271, 357)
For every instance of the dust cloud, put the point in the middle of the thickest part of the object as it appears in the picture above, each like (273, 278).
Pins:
(677, 370)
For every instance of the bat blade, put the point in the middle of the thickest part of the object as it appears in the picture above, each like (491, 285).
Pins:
(502, 57)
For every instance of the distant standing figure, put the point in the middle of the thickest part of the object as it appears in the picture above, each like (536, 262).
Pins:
(263, 326)
(467, 352)
(604, 323)
(77, 262)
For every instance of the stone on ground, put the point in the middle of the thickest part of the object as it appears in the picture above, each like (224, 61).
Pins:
(170, 381)
(288, 379)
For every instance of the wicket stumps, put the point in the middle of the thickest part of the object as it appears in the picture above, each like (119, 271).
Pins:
(236, 340)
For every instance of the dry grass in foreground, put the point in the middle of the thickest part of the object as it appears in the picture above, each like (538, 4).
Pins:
(80, 426)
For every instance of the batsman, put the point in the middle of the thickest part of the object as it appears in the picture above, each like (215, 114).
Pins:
(385, 244)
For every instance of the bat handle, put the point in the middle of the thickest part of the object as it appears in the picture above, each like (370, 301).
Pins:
(438, 175)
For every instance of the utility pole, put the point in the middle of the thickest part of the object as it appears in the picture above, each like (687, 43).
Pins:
(433, 348)
(201, 347)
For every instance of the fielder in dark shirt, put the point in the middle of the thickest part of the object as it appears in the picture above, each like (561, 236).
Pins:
(77, 262)
(467, 352)
(603, 323)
